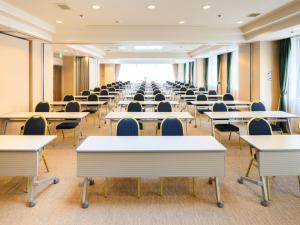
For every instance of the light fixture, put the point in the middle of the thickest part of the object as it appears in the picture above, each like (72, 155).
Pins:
(147, 47)
(205, 7)
(151, 7)
(96, 7)
(240, 22)
(181, 22)
(59, 21)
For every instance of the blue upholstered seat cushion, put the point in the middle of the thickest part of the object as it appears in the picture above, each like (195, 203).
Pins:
(203, 110)
(92, 111)
(67, 125)
(227, 128)
(275, 127)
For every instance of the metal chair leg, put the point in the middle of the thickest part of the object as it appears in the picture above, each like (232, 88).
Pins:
(299, 181)
(249, 167)
(45, 162)
(268, 188)
(27, 184)
(74, 136)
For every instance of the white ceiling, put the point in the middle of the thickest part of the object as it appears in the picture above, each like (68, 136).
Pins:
(203, 32)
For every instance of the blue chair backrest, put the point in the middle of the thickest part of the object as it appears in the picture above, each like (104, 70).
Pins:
(103, 92)
(103, 87)
(219, 107)
(212, 92)
(183, 89)
(257, 106)
(69, 98)
(140, 92)
(259, 126)
(35, 125)
(190, 92)
(97, 89)
(171, 127)
(72, 107)
(159, 97)
(202, 89)
(112, 89)
(93, 97)
(134, 107)
(164, 107)
(139, 97)
(128, 127)
(228, 97)
(192, 86)
(201, 98)
(42, 107)
(156, 91)
(86, 93)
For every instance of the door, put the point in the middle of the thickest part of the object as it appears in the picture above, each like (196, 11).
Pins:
(57, 80)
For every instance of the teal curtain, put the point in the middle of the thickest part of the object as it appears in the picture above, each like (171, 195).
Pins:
(218, 72)
(206, 73)
(184, 73)
(191, 72)
(229, 57)
(284, 55)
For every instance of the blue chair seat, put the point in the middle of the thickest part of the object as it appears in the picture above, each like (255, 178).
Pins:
(233, 110)
(227, 128)
(203, 110)
(276, 128)
(92, 111)
(66, 125)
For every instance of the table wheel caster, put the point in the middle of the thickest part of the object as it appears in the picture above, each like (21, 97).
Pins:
(31, 204)
(220, 204)
(85, 205)
(56, 180)
(240, 180)
(264, 203)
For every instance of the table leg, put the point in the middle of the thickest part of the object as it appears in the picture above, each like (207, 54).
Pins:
(212, 128)
(85, 202)
(31, 200)
(289, 129)
(218, 195)
(264, 201)
(79, 131)
(195, 115)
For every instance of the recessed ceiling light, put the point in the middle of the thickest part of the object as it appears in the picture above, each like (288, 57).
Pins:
(96, 7)
(206, 7)
(59, 21)
(181, 22)
(151, 7)
(240, 22)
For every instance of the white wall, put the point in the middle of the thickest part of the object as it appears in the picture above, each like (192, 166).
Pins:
(48, 78)
(14, 74)
(94, 78)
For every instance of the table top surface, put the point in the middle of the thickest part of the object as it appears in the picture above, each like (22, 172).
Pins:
(80, 102)
(150, 144)
(225, 102)
(195, 96)
(47, 115)
(126, 102)
(149, 115)
(146, 96)
(273, 142)
(249, 115)
(24, 142)
(100, 96)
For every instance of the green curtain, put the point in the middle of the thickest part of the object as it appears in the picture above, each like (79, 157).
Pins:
(184, 73)
(229, 56)
(284, 55)
(218, 72)
(206, 73)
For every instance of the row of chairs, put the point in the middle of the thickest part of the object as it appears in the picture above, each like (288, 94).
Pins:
(141, 97)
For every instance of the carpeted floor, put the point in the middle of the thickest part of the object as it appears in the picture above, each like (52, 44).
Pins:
(60, 204)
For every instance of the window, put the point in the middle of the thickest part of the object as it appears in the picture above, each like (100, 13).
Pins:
(212, 77)
(159, 73)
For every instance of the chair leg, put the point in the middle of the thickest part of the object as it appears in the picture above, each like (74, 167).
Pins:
(45, 162)
(240, 140)
(27, 184)
(74, 136)
(138, 187)
(161, 186)
(299, 181)
(63, 134)
(249, 167)
(229, 136)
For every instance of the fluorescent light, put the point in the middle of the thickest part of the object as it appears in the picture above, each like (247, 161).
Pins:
(59, 21)
(181, 22)
(96, 7)
(151, 7)
(147, 47)
(206, 7)
(240, 22)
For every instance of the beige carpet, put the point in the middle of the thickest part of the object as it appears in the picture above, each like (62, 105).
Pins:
(60, 203)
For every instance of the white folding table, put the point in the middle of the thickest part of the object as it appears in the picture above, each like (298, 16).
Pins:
(20, 156)
(125, 103)
(150, 156)
(277, 155)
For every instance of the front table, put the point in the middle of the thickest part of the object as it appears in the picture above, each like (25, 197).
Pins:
(150, 156)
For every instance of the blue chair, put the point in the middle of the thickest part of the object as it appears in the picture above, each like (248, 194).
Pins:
(171, 127)
(257, 126)
(128, 127)
(42, 107)
(140, 92)
(187, 99)
(68, 98)
(92, 109)
(159, 97)
(36, 125)
(97, 89)
(259, 106)
(227, 127)
(70, 107)
(135, 107)
(86, 93)
(229, 97)
(183, 89)
(156, 91)
(139, 97)
(163, 107)
(212, 92)
(111, 89)
(202, 89)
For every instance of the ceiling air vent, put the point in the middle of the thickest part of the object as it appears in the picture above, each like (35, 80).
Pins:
(63, 6)
(254, 14)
